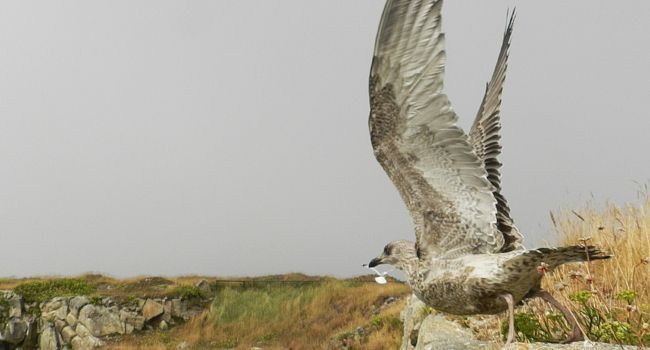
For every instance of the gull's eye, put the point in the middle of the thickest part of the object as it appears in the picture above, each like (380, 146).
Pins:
(386, 251)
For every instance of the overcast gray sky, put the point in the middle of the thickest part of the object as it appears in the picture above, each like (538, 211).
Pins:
(230, 137)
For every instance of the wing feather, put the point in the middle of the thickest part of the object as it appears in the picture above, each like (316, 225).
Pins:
(485, 138)
(415, 138)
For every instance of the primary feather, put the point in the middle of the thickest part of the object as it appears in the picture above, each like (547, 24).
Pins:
(485, 137)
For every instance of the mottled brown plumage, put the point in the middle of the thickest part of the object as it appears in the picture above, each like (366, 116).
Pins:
(468, 257)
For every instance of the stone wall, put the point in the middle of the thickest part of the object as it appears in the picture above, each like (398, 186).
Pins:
(80, 322)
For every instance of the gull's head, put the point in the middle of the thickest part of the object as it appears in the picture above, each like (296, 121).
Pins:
(396, 253)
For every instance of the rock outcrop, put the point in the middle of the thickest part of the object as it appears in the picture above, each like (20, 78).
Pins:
(424, 330)
(78, 323)
(102, 321)
(14, 331)
(13, 328)
(152, 309)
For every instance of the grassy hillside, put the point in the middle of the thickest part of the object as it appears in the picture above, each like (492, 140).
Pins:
(316, 314)
(274, 312)
(37, 289)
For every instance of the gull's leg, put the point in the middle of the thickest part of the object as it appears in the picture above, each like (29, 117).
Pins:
(511, 317)
(576, 332)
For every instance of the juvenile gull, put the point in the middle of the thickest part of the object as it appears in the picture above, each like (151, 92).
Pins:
(468, 257)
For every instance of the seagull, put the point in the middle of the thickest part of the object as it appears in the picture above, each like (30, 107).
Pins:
(468, 257)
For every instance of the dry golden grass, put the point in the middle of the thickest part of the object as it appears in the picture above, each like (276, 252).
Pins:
(611, 298)
(622, 231)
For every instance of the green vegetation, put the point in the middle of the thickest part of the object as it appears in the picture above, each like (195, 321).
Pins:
(268, 304)
(426, 311)
(528, 328)
(187, 292)
(38, 291)
(95, 300)
(98, 287)
(227, 344)
(4, 303)
(392, 322)
(627, 295)
(581, 297)
(4, 309)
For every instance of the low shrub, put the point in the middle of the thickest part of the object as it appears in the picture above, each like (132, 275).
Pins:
(38, 291)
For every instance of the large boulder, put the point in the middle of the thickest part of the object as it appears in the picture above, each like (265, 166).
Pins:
(438, 333)
(86, 343)
(101, 321)
(71, 319)
(48, 339)
(82, 331)
(412, 316)
(167, 311)
(179, 308)
(55, 309)
(132, 321)
(152, 309)
(14, 331)
(67, 333)
(77, 303)
(59, 325)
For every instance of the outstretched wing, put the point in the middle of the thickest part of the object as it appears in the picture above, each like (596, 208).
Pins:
(415, 138)
(484, 137)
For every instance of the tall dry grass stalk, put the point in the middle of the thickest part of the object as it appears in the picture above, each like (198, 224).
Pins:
(622, 231)
(610, 298)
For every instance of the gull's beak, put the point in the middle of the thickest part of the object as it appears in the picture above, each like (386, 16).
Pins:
(374, 262)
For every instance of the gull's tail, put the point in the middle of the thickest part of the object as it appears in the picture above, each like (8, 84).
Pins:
(555, 257)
